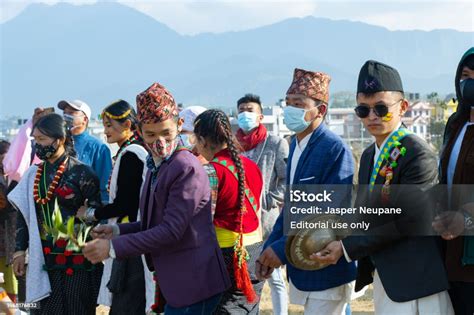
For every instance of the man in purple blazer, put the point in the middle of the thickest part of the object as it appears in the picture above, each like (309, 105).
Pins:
(175, 233)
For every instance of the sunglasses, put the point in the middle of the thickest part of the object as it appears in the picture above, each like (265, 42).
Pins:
(381, 110)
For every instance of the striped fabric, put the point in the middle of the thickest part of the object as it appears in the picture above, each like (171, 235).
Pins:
(214, 182)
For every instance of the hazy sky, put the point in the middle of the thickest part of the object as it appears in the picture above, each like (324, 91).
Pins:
(191, 16)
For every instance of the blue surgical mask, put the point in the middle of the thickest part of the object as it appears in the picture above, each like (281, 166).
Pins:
(293, 118)
(247, 121)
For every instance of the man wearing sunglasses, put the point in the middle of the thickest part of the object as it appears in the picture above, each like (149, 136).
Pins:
(407, 271)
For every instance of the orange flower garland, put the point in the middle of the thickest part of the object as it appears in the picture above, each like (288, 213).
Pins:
(53, 185)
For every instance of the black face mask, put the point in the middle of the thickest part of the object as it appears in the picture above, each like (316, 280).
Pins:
(44, 152)
(467, 92)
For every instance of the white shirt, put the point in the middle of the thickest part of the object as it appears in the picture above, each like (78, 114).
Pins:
(343, 293)
(299, 149)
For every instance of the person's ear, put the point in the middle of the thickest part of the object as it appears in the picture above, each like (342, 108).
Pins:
(403, 107)
(180, 124)
(322, 110)
(127, 125)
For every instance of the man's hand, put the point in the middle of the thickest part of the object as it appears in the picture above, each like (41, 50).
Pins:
(103, 231)
(97, 250)
(19, 266)
(262, 272)
(269, 259)
(449, 224)
(329, 254)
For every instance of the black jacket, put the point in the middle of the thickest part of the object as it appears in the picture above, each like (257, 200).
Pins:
(410, 267)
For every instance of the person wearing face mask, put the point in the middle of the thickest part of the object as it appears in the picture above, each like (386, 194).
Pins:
(16, 162)
(127, 279)
(456, 169)
(90, 150)
(58, 276)
(317, 156)
(269, 152)
(176, 234)
(189, 115)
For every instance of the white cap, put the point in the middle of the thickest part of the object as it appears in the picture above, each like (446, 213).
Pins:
(77, 105)
(189, 115)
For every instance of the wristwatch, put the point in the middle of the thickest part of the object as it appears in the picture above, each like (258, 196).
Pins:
(90, 217)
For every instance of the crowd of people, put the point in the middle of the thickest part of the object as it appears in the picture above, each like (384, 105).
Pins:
(187, 217)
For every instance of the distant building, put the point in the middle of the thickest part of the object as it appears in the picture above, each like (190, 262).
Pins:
(451, 106)
(96, 129)
(418, 117)
(412, 97)
(345, 123)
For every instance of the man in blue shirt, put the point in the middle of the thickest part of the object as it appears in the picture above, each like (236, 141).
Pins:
(317, 157)
(90, 150)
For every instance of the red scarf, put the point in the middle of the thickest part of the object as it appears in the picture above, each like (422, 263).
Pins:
(254, 138)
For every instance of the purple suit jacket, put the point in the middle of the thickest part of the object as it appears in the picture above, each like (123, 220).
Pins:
(177, 234)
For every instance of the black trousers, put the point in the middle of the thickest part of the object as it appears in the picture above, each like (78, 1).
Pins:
(127, 284)
(462, 297)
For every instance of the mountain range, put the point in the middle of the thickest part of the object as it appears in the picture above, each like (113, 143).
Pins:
(106, 51)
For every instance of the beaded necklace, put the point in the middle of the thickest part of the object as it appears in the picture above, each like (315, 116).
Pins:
(52, 187)
(48, 191)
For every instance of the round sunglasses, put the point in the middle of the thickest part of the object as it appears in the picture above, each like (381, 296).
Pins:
(381, 110)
